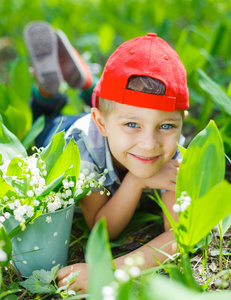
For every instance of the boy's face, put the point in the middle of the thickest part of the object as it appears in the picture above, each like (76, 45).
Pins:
(141, 140)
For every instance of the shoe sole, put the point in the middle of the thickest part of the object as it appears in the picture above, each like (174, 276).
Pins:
(42, 45)
(74, 69)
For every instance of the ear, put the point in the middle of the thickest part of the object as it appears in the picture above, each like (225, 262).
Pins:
(99, 120)
(185, 113)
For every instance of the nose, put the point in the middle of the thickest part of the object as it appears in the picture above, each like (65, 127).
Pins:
(149, 141)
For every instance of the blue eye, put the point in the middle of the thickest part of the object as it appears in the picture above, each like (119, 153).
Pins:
(132, 124)
(166, 126)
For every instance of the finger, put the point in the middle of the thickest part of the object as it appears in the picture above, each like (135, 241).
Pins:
(177, 162)
(64, 272)
(172, 187)
(74, 286)
(62, 281)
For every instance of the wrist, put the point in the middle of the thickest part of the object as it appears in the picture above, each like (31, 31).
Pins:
(135, 182)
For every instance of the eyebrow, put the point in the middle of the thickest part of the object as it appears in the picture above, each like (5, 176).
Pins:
(132, 117)
(172, 119)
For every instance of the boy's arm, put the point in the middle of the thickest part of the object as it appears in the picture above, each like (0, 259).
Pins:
(165, 242)
(119, 209)
(169, 200)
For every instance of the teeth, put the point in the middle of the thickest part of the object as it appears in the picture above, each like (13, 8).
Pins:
(144, 158)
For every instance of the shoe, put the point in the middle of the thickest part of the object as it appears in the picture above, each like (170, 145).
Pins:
(42, 45)
(74, 70)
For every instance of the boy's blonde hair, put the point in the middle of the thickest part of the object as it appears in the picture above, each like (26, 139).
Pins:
(136, 83)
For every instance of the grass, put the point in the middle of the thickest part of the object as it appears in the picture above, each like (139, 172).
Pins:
(198, 30)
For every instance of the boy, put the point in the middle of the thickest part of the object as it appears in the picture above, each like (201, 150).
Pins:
(133, 131)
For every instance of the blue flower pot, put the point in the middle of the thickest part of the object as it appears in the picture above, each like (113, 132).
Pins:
(42, 245)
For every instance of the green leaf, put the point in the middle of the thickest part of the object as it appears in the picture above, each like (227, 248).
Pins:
(184, 274)
(98, 257)
(40, 281)
(16, 122)
(203, 165)
(69, 157)
(106, 34)
(215, 92)
(10, 146)
(50, 187)
(9, 296)
(157, 290)
(53, 150)
(18, 228)
(159, 201)
(225, 224)
(11, 106)
(140, 218)
(126, 291)
(35, 130)
(20, 79)
(5, 187)
(14, 168)
(182, 150)
(5, 245)
(204, 213)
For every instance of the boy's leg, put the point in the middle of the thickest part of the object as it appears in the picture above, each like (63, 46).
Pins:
(42, 45)
(74, 70)
(61, 60)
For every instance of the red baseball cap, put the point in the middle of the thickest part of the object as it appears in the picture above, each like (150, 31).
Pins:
(146, 56)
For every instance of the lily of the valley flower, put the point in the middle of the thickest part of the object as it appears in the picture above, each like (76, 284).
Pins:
(182, 203)
(34, 172)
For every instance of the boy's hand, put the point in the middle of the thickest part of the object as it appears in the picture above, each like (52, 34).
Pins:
(165, 178)
(80, 282)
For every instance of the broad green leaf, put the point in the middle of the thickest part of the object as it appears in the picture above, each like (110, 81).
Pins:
(12, 98)
(159, 201)
(98, 257)
(106, 35)
(157, 290)
(20, 185)
(53, 150)
(140, 218)
(191, 57)
(215, 92)
(35, 130)
(18, 228)
(8, 294)
(204, 213)
(10, 146)
(16, 122)
(203, 165)
(4, 103)
(182, 150)
(4, 187)
(69, 157)
(14, 168)
(20, 79)
(10, 106)
(126, 291)
(184, 274)
(225, 224)
(51, 187)
(5, 245)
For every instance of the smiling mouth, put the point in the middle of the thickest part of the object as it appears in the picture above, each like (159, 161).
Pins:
(146, 160)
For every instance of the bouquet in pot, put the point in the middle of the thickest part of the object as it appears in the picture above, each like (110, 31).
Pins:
(46, 181)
